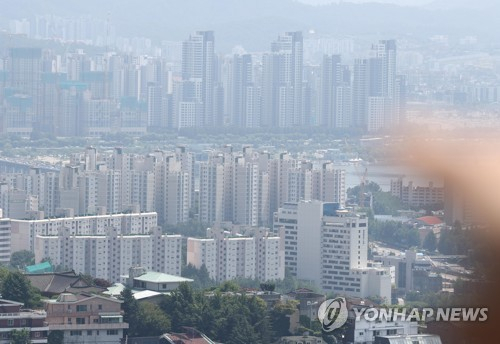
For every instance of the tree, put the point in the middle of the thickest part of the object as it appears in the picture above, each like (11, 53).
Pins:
(267, 287)
(20, 337)
(430, 242)
(130, 308)
(180, 306)
(201, 277)
(151, 321)
(22, 258)
(101, 282)
(55, 337)
(4, 272)
(280, 317)
(17, 287)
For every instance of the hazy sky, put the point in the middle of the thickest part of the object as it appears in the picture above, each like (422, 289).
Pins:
(398, 2)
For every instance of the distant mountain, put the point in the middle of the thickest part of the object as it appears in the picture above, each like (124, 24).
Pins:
(463, 4)
(253, 24)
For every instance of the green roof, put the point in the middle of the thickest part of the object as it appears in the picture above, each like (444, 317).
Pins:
(159, 277)
(39, 268)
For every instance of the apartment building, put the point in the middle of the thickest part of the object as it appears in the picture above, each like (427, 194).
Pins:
(25, 231)
(5, 239)
(111, 254)
(417, 196)
(229, 255)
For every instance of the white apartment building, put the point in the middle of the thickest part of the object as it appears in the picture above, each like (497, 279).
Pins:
(203, 252)
(105, 184)
(5, 235)
(25, 231)
(247, 187)
(328, 245)
(228, 256)
(110, 255)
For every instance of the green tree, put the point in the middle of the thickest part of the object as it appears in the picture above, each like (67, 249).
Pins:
(17, 287)
(201, 277)
(430, 242)
(280, 317)
(445, 245)
(180, 306)
(4, 273)
(55, 337)
(130, 308)
(20, 337)
(267, 287)
(151, 321)
(229, 286)
(22, 258)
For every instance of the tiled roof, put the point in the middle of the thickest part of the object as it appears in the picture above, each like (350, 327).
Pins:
(56, 283)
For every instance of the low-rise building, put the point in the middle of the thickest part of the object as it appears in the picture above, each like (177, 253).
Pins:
(412, 271)
(139, 278)
(414, 339)
(14, 318)
(360, 330)
(309, 301)
(301, 340)
(86, 318)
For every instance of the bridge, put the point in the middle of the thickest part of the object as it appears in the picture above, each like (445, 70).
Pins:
(18, 166)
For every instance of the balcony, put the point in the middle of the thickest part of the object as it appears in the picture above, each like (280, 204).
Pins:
(83, 327)
(25, 314)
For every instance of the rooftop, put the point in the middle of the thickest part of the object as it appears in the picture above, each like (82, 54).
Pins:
(430, 220)
(39, 268)
(160, 277)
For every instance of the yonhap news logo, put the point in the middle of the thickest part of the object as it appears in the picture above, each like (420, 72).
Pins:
(421, 314)
(333, 313)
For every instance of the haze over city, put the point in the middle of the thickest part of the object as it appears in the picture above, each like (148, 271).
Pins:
(249, 172)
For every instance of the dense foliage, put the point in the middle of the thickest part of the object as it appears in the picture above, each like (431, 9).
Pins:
(383, 202)
(21, 259)
(16, 287)
(394, 233)
(224, 314)
(20, 337)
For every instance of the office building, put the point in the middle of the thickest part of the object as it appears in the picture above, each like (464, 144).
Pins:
(328, 246)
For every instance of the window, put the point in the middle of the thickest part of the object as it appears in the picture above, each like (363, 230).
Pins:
(38, 334)
(75, 333)
(100, 307)
(392, 332)
(80, 321)
(89, 332)
(112, 332)
(23, 322)
(81, 308)
(10, 322)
